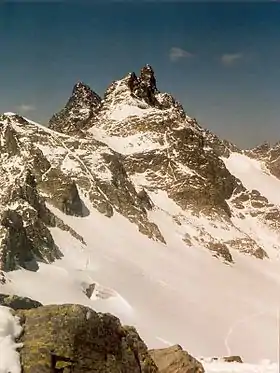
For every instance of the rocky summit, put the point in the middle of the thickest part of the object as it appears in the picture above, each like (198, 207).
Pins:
(155, 147)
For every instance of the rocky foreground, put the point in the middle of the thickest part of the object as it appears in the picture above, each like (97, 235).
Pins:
(73, 338)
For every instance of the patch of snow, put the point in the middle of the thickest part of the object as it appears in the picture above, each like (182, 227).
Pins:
(48, 151)
(70, 165)
(140, 180)
(169, 344)
(84, 111)
(127, 145)
(260, 232)
(124, 111)
(10, 329)
(223, 367)
(185, 169)
(9, 114)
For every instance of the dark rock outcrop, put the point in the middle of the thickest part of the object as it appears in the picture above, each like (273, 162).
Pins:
(233, 359)
(24, 226)
(10, 143)
(175, 360)
(64, 193)
(89, 290)
(220, 250)
(18, 303)
(227, 359)
(147, 86)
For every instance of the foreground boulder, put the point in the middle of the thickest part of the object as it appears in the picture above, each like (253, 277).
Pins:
(18, 303)
(233, 359)
(175, 360)
(76, 339)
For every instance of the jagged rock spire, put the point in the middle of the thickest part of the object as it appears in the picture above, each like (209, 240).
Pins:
(83, 93)
(85, 108)
(147, 77)
(132, 81)
(80, 110)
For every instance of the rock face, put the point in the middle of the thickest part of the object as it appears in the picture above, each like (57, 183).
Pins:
(24, 226)
(25, 220)
(175, 360)
(18, 303)
(37, 162)
(72, 338)
(80, 109)
(165, 145)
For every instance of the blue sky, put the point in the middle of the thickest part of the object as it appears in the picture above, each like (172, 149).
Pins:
(221, 60)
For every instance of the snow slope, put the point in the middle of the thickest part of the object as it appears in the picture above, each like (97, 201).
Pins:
(194, 299)
(254, 175)
(10, 329)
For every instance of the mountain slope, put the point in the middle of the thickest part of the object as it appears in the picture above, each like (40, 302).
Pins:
(140, 203)
(162, 149)
(269, 154)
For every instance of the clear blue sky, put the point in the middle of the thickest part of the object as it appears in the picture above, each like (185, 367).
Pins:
(221, 60)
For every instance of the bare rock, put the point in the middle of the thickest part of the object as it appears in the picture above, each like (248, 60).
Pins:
(220, 250)
(175, 360)
(73, 338)
(18, 303)
(233, 359)
(80, 110)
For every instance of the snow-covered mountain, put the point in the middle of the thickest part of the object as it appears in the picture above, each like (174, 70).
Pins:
(127, 205)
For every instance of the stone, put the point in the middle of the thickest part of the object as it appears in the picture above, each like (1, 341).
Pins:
(175, 360)
(233, 359)
(221, 250)
(17, 302)
(74, 338)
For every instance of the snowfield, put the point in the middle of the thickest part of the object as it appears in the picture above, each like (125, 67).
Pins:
(193, 299)
(10, 329)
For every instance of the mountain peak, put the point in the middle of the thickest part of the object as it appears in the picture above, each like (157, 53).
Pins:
(81, 108)
(83, 92)
(128, 95)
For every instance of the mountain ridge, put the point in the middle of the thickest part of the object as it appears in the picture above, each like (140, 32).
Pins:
(124, 115)
(130, 176)
(137, 132)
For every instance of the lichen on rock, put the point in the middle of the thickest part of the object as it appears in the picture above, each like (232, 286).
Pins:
(77, 339)
(175, 360)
